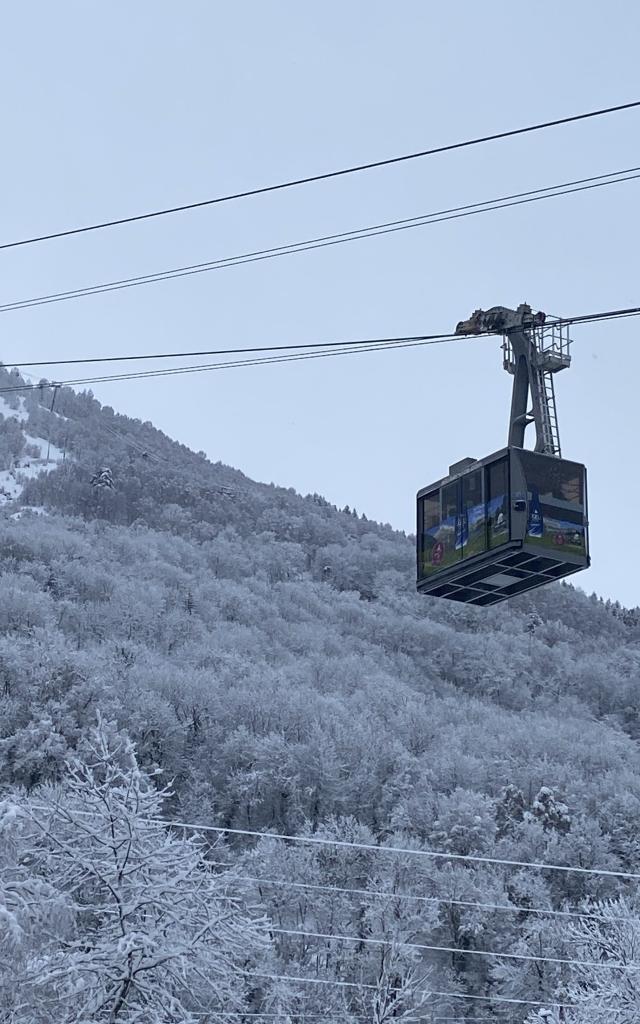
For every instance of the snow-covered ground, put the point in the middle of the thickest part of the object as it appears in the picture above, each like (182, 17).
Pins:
(35, 510)
(19, 414)
(48, 457)
(55, 454)
(10, 489)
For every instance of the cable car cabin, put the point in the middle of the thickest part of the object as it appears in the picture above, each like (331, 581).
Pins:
(502, 525)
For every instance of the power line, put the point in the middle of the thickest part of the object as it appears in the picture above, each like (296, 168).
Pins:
(325, 176)
(433, 854)
(491, 954)
(410, 897)
(356, 234)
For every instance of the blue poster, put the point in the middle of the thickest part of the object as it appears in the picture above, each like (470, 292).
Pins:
(462, 530)
(535, 523)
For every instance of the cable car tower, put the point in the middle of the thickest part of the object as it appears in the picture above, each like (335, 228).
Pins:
(517, 519)
(533, 352)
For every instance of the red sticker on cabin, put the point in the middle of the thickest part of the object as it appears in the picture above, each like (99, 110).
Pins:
(437, 553)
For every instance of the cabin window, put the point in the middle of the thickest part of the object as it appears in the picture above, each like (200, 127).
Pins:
(555, 481)
(474, 520)
(498, 503)
(449, 547)
(431, 511)
(555, 503)
(429, 528)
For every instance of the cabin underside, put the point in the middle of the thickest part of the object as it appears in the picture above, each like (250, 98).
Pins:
(498, 575)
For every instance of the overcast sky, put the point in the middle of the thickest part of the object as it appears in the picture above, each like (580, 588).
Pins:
(114, 109)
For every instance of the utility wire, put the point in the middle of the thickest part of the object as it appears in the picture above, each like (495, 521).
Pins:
(357, 234)
(433, 854)
(291, 183)
(491, 954)
(410, 897)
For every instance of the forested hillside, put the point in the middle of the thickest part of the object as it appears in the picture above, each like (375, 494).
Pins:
(181, 644)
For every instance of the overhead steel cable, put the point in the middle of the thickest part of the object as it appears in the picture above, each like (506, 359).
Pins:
(612, 314)
(324, 176)
(128, 440)
(359, 343)
(410, 897)
(491, 954)
(511, 1000)
(298, 1015)
(176, 370)
(468, 858)
(375, 345)
(378, 345)
(315, 840)
(322, 241)
(241, 351)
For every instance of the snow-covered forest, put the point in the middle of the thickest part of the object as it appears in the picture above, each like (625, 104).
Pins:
(181, 646)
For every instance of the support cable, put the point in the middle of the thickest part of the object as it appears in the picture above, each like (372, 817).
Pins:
(427, 992)
(174, 371)
(291, 183)
(405, 851)
(323, 241)
(410, 897)
(490, 953)
(240, 351)
(320, 349)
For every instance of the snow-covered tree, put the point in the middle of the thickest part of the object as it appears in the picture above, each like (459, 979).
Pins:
(144, 932)
(551, 812)
(510, 809)
(398, 993)
(553, 1015)
(103, 478)
(611, 939)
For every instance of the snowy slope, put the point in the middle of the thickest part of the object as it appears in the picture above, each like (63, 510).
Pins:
(45, 458)
(19, 414)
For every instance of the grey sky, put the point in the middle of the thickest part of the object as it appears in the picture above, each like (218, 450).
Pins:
(118, 108)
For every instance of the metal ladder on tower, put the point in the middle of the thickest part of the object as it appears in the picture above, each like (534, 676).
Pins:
(547, 398)
(533, 351)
